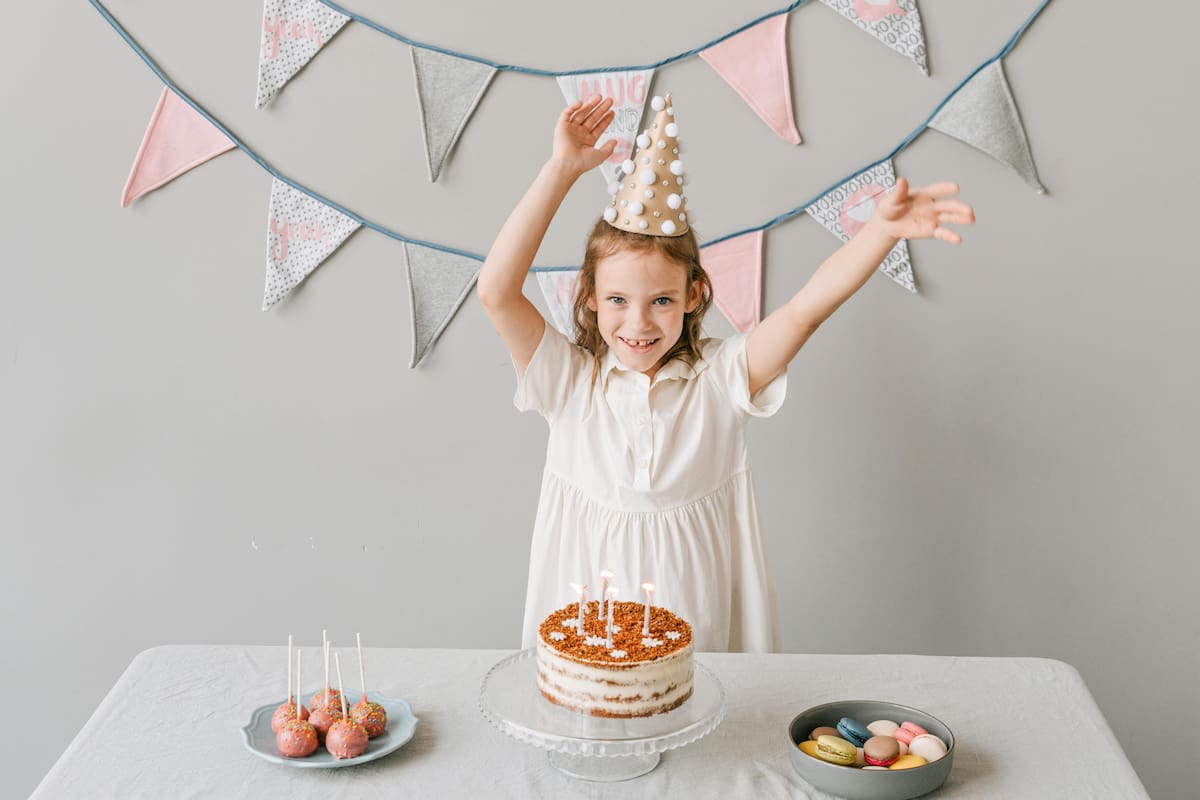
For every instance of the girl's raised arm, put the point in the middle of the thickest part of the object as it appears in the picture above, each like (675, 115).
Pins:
(900, 214)
(507, 263)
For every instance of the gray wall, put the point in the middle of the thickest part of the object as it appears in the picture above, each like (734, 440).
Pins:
(1009, 456)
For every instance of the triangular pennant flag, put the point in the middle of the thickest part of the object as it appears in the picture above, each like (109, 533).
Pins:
(177, 139)
(438, 283)
(735, 268)
(628, 90)
(896, 23)
(984, 114)
(293, 32)
(448, 89)
(558, 288)
(755, 63)
(301, 233)
(845, 210)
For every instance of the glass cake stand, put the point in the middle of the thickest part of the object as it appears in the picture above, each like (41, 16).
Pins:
(594, 748)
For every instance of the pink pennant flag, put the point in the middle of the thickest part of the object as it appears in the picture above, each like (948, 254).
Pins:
(177, 139)
(755, 64)
(735, 268)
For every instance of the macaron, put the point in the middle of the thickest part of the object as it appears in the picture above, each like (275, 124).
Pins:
(853, 731)
(835, 750)
(928, 747)
(882, 727)
(881, 769)
(824, 730)
(809, 747)
(881, 751)
(914, 727)
(860, 757)
(908, 762)
(904, 735)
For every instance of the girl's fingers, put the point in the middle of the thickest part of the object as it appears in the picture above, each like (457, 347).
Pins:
(595, 111)
(602, 123)
(955, 218)
(953, 206)
(937, 189)
(947, 235)
(571, 109)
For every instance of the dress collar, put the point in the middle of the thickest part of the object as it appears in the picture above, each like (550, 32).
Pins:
(675, 369)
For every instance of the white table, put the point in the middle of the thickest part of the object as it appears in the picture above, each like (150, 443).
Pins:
(1026, 727)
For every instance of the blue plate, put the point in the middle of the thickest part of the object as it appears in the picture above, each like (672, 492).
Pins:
(401, 724)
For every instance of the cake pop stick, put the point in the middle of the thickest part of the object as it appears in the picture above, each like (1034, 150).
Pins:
(362, 675)
(325, 702)
(337, 660)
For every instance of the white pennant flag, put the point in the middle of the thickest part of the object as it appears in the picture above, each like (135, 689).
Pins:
(845, 210)
(628, 90)
(984, 114)
(448, 90)
(301, 233)
(896, 23)
(558, 288)
(293, 32)
(438, 283)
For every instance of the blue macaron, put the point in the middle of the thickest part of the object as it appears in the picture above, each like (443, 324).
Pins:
(853, 731)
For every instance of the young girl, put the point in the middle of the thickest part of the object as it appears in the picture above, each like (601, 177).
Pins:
(646, 469)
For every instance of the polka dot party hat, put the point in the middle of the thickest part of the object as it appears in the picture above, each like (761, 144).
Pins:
(648, 193)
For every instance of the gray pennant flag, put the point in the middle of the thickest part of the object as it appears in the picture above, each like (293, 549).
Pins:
(438, 283)
(984, 114)
(448, 89)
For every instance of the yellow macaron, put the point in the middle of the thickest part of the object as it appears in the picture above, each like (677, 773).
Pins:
(835, 750)
(908, 762)
(809, 747)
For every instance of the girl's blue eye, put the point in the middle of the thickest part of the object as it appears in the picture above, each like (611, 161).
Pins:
(662, 301)
(616, 300)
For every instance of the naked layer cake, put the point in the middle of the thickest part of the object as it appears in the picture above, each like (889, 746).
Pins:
(638, 676)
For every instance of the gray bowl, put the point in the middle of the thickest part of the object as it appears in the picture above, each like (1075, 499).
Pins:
(860, 784)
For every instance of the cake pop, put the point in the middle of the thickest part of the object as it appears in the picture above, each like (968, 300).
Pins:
(327, 696)
(329, 709)
(287, 709)
(297, 738)
(372, 716)
(346, 739)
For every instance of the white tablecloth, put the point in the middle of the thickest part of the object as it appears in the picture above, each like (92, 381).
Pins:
(169, 728)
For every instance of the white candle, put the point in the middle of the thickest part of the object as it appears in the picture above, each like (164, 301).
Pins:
(611, 592)
(580, 589)
(605, 577)
(649, 587)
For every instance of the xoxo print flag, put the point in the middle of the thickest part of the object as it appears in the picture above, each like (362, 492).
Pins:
(755, 64)
(301, 233)
(558, 287)
(845, 210)
(896, 23)
(292, 33)
(628, 90)
(177, 139)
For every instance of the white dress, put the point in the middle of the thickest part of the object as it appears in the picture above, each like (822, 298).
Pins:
(651, 481)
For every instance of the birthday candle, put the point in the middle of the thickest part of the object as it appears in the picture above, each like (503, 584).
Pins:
(605, 577)
(581, 589)
(649, 587)
(611, 592)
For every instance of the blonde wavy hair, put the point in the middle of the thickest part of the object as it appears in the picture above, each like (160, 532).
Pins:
(605, 240)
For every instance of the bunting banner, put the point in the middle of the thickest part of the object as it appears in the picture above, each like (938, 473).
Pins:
(735, 268)
(301, 233)
(628, 90)
(896, 23)
(559, 290)
(177, 139)
(755, 63)
(293, 32)
(438, 283)
(448, 90)
(984, 114)
(845, 210)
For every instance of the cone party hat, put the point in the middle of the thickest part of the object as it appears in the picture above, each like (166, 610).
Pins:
(648, 193)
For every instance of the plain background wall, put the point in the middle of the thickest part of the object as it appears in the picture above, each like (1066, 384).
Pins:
(1005, 461)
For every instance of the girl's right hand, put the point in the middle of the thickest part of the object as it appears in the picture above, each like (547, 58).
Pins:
(576, 132)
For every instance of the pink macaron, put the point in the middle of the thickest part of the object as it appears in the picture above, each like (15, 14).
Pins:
(908, 731)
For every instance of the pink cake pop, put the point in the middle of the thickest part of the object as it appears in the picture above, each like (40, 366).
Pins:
(346, 739)
(297, 738)
(372, 716)
(287, 709)
(329, 710)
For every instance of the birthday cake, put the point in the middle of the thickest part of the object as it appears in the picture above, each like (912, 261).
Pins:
(637, 675)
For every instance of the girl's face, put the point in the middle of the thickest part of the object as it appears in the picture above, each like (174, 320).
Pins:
(640, 301)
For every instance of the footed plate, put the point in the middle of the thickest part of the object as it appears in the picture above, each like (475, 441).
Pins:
(401, 725)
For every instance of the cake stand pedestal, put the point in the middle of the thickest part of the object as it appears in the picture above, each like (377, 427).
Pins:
(594, 748)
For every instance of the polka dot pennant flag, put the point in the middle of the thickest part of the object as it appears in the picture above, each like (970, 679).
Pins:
(984, 114)
(735, 268)
(846, 209)
(448, 90)
(558, 288)
(896, 23)
(292, 33)
(301, 233)
(438, 283)
(629, 90)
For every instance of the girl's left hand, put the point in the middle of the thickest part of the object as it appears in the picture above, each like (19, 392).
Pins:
(919, 213)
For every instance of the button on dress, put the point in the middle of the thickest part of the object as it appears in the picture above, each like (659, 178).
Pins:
(651, 480)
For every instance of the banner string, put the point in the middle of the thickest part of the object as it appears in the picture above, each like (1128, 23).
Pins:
(1012, 41)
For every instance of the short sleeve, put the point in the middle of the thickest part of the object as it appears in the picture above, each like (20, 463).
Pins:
(553, 374)
(728, 365)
